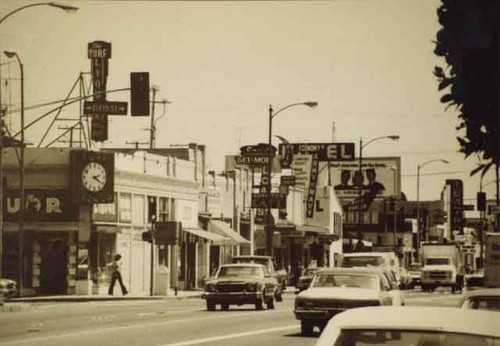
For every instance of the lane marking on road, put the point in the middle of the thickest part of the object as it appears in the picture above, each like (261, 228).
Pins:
(232, 336)
(216, 315)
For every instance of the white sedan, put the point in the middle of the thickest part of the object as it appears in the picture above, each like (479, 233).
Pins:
(437, 326)
(334, 290)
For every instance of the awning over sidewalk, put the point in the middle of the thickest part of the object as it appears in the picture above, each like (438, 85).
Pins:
(214, 237)
(224, 229)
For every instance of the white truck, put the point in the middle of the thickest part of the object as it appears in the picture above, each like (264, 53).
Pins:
(441, 266)
(492, 260)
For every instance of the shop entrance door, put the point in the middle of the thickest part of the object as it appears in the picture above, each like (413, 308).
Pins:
(53, 266)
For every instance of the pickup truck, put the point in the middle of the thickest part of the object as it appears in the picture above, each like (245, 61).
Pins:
(268, 261)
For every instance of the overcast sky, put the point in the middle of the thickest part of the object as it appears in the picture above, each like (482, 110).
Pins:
(368, 63)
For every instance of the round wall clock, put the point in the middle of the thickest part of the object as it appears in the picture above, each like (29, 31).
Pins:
(94, 177)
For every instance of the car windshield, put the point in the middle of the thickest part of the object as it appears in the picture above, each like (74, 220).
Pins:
(263, 261)
(363, 261)
(437, 261)
(484, 303)
(354, 337)
(345, 280)
(309, 271)
(240, 271)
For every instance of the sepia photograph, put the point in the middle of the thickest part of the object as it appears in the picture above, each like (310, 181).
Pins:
(261, 172)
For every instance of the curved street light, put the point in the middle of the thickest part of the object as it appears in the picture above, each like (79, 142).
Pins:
(360, 171)
(11, 55)
(268, 220)
(63, 7)
(419, 166)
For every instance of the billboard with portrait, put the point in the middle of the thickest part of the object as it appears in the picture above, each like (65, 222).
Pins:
(380, 177)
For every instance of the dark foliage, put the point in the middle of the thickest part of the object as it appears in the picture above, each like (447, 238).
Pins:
(468, 43)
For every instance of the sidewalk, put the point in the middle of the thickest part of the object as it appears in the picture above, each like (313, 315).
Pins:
(23, 304)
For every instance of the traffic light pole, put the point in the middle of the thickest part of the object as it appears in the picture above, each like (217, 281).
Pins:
(152, 278)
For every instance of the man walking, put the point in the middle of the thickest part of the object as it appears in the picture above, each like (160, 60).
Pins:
(116, 275)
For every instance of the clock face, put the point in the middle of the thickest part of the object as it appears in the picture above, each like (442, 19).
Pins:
(94, 177)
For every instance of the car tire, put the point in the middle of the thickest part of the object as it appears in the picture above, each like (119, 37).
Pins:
(259, 304)
(225, 307)
(210, 305)
(306, 327)
(279, 296)
(270, 303)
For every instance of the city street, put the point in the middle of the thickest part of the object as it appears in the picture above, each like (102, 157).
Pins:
(167, 323)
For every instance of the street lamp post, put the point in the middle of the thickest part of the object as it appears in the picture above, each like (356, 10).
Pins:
(360, 173)
(21, 175)
(419, 167)
(269, 222)
(66, 8)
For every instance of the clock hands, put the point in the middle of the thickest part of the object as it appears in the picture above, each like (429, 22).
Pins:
(96, 178)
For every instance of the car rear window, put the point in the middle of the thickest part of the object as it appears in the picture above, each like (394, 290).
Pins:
(356, 337)
(345, 280)
(364, 261)
(484, 303)
(240, 271)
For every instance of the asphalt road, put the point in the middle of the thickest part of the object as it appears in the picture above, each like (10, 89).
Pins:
(166, 323)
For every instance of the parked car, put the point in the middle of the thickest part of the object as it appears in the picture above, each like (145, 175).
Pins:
(335, 290)
(482, 299)
(474, 279)
(238, 284)
(8, 288)
(280, 273)
(305, 278)
(415, 325)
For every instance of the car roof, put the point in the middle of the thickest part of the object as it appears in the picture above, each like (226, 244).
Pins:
(441, 319)
(352, 270)
(483, 292)
(371, 254)
(252, 257)
(252, 265)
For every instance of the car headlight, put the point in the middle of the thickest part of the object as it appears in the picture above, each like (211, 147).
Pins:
(251, 287)
(210, 288)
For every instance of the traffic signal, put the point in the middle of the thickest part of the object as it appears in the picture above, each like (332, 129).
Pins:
(151, 209)
(139, 93)
(481, 201)
(147, 236)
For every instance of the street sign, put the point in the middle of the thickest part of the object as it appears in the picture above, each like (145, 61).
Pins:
(259, 200)
(105, 107)
(287, 180)
(259, 150)
(467, 207)
(252, 160)
(325, 151)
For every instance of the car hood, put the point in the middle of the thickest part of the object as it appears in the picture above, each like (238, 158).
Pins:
(6, 281)
(438, 267)
(339, 293)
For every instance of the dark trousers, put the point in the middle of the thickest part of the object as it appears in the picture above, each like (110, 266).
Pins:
(117, 276)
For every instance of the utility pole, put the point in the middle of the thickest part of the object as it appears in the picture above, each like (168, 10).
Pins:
(152, 130)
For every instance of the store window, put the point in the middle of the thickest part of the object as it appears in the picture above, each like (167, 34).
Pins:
(125, 205)
(138, 210)
(101, 250)
(164, 209)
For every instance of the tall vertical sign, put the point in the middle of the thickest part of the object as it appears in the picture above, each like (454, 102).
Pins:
(456, 204)
(99, 52)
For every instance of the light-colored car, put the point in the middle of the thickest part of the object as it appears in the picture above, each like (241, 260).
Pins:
(306, 277)
(416, 325)
(482, 299)
(238, 284)
(335, 290)
(415, 273)
(8, 288)
(387, 260)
